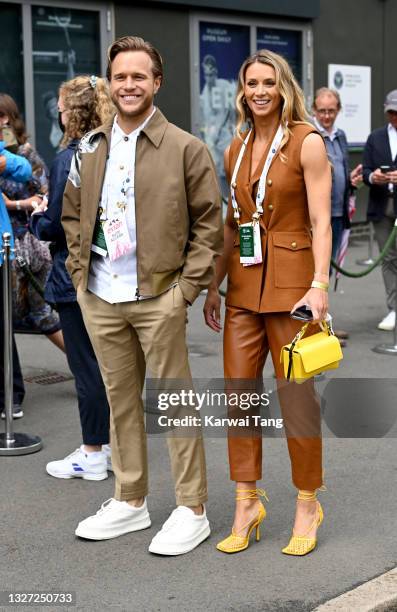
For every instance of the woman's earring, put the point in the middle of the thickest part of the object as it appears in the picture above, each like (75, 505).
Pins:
(244, 100)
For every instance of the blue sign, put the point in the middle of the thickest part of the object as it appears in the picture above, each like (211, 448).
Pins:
(223, 48)
(287, 43)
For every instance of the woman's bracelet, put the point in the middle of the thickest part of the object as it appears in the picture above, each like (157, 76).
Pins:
(319, 285)
(18, 205)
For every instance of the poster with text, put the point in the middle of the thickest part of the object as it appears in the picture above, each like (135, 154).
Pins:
(223, 48)
(287, 43)
(354, 86)
(66, 43)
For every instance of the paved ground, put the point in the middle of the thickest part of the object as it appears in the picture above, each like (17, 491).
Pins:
(38, 550)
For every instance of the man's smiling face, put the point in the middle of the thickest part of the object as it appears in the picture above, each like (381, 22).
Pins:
(132, 84)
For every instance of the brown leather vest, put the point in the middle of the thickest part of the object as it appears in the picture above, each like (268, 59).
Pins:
(288, 265)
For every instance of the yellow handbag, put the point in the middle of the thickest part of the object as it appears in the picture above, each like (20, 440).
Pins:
(305, 357)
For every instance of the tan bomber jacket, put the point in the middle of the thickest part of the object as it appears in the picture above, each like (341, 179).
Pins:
(177, 206)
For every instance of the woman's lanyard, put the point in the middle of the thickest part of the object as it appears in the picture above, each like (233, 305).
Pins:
(260, 196)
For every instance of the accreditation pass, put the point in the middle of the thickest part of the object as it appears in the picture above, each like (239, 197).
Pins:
(250, 244)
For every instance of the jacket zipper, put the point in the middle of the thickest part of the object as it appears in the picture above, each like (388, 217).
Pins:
(137, 294)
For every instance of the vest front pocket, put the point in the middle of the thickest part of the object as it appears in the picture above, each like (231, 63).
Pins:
(292, 259)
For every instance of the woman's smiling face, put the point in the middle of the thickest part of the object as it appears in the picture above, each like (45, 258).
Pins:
(260, 90)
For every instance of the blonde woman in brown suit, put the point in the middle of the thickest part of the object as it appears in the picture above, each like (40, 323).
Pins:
(280, 183)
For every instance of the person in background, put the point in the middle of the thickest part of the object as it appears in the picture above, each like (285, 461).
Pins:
(326, 107)
(17, 168)
(380, 174)
(30, 309)
(84, 104)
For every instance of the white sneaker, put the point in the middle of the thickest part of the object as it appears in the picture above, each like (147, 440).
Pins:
(181, 532)
(389, 322)
(108, 452)
(114, 519)
(79, 464)
(17, 412)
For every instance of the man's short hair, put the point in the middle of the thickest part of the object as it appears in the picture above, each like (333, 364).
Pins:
(135, 43)
(329, 92)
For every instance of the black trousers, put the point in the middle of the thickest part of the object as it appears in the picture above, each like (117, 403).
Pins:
(18, 386)
(92, 401)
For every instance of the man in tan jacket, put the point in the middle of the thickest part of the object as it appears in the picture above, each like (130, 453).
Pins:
(142, 216)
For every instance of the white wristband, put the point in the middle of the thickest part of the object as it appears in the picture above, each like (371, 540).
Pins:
(18, 204)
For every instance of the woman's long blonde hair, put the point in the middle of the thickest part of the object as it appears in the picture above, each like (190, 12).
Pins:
(88, 101)
(293, 109)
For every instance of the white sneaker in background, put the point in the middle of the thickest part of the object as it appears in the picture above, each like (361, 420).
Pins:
(389, 322)
(108, 452)
(79, 464)
(181, 532)
(114, 519)
(17, 412)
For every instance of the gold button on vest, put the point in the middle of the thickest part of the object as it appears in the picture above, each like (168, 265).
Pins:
(294, 245)
(270, 207)
(269, 182)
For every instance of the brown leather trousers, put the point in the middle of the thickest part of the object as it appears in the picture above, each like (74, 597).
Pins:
(248, 337)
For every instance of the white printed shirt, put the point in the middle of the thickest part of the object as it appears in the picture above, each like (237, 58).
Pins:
(116, 281)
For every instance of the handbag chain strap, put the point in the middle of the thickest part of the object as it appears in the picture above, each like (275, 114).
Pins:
(325, 326)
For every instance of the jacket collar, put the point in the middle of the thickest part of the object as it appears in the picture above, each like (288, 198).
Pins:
(154, 130)
(105, 129)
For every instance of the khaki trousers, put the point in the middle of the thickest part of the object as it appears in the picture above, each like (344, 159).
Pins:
(125, 336)
(248, 338)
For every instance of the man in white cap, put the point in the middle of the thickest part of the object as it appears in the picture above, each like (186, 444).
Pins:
(380, 174)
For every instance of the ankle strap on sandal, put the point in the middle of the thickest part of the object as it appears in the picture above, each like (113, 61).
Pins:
(251, 494)
(307, 495)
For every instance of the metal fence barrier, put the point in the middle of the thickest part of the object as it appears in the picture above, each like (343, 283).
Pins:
(11, 443)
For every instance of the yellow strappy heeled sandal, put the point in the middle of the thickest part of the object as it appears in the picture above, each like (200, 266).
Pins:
(300, 545)
(235, 542)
